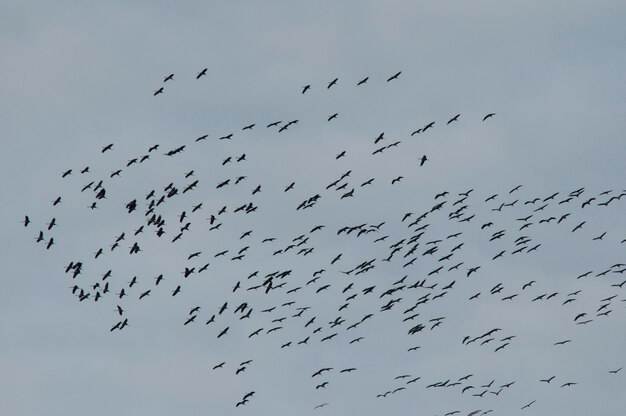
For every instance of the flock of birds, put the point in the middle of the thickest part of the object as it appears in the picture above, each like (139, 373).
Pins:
(421, 260)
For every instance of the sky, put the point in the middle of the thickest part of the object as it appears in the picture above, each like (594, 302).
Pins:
(77, 77)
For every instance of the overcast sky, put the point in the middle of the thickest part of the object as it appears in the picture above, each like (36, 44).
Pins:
(77, 77)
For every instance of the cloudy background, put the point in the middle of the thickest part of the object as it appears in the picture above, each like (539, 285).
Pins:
(76, 77)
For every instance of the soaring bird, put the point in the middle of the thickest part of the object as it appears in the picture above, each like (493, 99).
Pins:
(455, 118)
(321, 370)
(489, 116)
(224, 331)
(394, 76)
(201, 73)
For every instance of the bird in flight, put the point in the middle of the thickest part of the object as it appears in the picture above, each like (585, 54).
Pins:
(201, 73)
(394, 76)
(455, 118)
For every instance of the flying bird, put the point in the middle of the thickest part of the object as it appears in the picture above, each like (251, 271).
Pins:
(395, 76)
(201, 73)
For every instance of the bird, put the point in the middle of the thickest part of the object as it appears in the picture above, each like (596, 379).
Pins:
(489, 116)
(395, 76)
(600, 237)
(455, 118)
(321, 370)
(201, 73)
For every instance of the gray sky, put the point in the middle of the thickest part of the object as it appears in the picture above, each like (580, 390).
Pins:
(76, 77)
